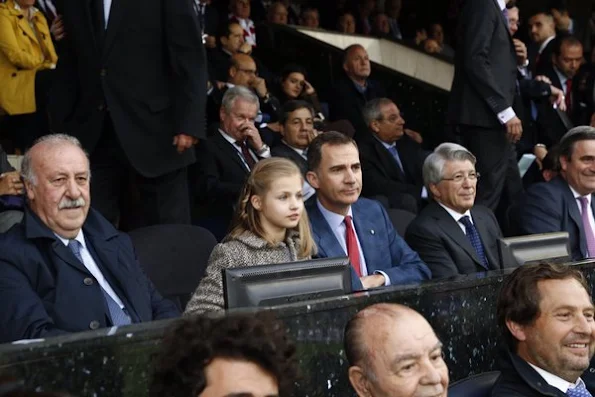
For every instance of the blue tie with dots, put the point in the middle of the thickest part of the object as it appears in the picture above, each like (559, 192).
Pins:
(473, 237)
(117, 314)
(578, 391)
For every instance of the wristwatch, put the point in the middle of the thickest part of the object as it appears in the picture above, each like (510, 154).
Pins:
(265, 148)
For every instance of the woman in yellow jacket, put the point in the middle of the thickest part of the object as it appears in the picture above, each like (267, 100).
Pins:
(26, 56)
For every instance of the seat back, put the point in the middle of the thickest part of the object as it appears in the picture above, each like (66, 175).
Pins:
(400, 220)
(479, 385)
(174, 257)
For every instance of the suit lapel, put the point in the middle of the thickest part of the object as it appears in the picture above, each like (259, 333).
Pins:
(26, 29)
(66, 255)
(367, 235)
(326, 241)
(573, 212)
(454, 231)
(117, 10)
(227, 147)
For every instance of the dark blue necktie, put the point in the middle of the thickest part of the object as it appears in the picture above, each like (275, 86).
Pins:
(473, 237)
(118, 315)
(395, 153)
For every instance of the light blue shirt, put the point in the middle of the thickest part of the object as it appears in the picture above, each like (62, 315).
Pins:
(337, 224)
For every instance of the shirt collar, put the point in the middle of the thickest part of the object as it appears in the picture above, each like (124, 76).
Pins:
(333, 219)
(561, 76)
(301, 152)
(501, 4)
(556, 381)
(80, 237)
(386, 145)
(456, 215)
(545, 43)
(228, 137)
(577, 195)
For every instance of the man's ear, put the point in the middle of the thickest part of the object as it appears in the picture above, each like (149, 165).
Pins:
(359, 382)
(29, 189)
(517, 330)
(563, 162)
(434, 190)
(313, 179)
(374, 126)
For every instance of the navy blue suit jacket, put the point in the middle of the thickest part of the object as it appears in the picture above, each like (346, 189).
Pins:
(551, 207)
(383, 249)
(45, 291)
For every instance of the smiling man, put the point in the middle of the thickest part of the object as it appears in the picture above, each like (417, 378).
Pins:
(452, 235)
(65, 268)
(343, 224)
(393, 351)
(546, 313)
(565, 203)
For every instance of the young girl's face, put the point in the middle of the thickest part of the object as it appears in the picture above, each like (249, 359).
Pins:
(282, 206)
(293, 84)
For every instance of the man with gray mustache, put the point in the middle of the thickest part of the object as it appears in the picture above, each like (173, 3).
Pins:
(65, 268)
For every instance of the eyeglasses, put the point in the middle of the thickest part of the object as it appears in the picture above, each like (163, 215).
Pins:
(459, 178)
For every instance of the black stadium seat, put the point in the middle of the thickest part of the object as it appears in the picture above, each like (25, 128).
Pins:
(479, 385)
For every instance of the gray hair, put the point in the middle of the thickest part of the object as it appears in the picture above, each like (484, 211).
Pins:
(433, 169)
(372, 111)
(238, 92)
(27, 171)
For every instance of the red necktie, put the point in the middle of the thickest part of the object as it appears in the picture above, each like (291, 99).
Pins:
(568, 94)
(352, 248)
(246, 154)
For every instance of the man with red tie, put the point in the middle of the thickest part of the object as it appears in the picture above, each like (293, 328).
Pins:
(345, 224)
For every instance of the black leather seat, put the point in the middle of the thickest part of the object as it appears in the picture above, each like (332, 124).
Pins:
(479, 385)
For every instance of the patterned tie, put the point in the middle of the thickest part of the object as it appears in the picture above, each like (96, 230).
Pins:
(473, 237)
(117, 314)
(568, 95)
(589, 235)
(246, 154)
(579, 391)
(352, 248)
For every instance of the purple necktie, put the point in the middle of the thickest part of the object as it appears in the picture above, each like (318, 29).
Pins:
(589, 235)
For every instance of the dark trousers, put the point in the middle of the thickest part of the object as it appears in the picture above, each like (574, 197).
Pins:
(500, 183)
(128, 199)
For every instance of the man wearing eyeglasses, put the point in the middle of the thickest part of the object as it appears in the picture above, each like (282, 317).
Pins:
(452, 235)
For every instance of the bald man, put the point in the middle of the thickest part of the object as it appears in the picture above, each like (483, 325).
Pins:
(393, 351)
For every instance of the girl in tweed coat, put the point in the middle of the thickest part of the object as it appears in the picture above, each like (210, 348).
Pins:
(271, 226)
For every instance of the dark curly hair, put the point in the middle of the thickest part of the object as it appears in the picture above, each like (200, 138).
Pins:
(191, 344)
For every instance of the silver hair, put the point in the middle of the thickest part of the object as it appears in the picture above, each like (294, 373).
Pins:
(27, 171)
(372, 111)
(433, 169)
(238, 92)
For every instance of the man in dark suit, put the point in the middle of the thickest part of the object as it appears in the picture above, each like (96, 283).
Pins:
(345, 224)
(226, 158)
(452, 235)
(545, 313)
(131, 86)
(65, 268)
(391, 161)
(565, 203)
(542, 31)
(565, 24)
(351, 92)
(297, 128)
(481, 99)
(231, 41)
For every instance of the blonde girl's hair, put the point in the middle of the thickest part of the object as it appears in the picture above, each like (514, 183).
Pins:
(264, 173)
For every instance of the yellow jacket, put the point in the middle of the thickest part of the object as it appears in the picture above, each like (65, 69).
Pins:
(21, 55)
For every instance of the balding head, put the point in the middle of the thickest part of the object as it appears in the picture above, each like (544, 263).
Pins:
(242, 70)
(385, 339)
(57, 177)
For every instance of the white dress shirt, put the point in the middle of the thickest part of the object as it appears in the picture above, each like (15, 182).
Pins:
(92, 267)
(337, 225)
(556, 381)
(457, 216)
(107, 6)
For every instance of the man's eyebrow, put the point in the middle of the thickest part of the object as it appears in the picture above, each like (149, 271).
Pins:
(247, 395)
(413, 356)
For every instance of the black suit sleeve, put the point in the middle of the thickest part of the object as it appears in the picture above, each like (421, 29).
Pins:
(210, 184)
(534, 89)
(478, 27)
(189, 65)
(538, 215)
(430, 248)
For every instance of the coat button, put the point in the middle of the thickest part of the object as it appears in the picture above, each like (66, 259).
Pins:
(14, 75)
(101, 107)
(88, 281)
(103, 72)
(94, 324)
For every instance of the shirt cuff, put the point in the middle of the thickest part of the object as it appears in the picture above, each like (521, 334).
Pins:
(506, 115)
(386, 279)
(523, 70)
(266, 154)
